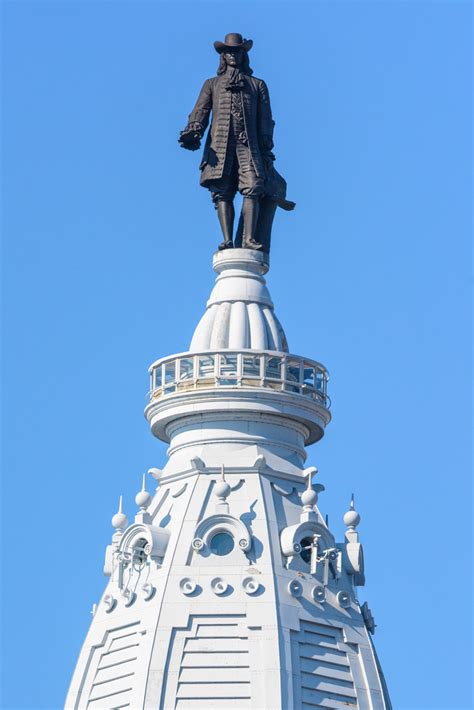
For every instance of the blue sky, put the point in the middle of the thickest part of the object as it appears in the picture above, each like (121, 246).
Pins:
(107, 245)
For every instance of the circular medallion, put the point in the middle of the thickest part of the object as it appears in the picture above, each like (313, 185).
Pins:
(187, 586)
(129, 597)
(148, 591)
(250, 585)
(318, 593)
(343, 599)
(197, 543)
(219, 585)
(295, 588)
(110, 603)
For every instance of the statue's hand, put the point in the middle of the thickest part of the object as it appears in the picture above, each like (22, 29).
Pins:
(190, 141)
(190, 138)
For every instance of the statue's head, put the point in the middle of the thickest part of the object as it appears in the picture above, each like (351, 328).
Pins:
(233, 57)
(234, 53)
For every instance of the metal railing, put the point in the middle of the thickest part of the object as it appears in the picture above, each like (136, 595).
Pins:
(239, 369)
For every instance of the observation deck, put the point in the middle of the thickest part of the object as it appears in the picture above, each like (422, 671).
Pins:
(256, 386)
(282, 372)
(238, 380)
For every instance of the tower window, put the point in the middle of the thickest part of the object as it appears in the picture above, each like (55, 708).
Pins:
(306, 546)
(221, 543)
(186, 368)
(228, 369)
(251, 366)
(273, 367)
(206, 366)
(140, 551)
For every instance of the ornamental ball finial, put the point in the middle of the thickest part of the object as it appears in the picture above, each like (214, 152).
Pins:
(120, 521)
(309, 497)
(143, 498)
(352, 517)
(222, 488)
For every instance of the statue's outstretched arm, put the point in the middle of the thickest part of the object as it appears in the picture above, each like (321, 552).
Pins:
(198, 119)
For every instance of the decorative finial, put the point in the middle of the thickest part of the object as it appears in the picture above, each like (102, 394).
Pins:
(310, 471)
(143, 498)
(352, 517)
(309, 497)
(119, 520)
(222, 488)
(221, 491)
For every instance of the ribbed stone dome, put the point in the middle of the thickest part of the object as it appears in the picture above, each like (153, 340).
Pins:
(239, 312)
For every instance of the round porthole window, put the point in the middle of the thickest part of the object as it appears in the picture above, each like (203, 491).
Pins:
(221, 543)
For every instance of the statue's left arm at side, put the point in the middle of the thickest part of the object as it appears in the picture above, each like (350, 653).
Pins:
(265, 120)
(198, 119)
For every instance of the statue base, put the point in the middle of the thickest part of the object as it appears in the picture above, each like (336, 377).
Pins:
(252, 260)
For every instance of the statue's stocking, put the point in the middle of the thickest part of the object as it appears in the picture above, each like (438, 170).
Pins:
(226, 214)
(250, 210)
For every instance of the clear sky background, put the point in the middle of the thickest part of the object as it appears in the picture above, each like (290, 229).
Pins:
(108, 240)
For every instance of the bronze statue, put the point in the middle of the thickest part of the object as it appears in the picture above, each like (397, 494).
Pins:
(238, 151)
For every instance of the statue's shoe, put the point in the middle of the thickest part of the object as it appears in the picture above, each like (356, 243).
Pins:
(226, 245)
(251, 244)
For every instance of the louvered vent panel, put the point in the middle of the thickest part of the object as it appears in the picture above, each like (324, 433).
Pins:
(113, 680)
(326, 679)
(214, 668)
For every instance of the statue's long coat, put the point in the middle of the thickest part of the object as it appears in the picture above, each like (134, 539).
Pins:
(216, 97)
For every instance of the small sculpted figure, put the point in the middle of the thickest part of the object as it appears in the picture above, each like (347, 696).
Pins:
(238, 150)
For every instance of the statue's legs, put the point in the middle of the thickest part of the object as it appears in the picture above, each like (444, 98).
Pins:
(223, 192)
(251, 186)
(250, 210)
(241, 176)
(226, 215)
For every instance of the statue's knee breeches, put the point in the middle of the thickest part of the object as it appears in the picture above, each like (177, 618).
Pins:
(222, 196)
(246, 181)
(224, 189)
(250, 185)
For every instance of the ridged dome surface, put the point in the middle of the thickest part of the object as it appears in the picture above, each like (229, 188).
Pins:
(239, 312)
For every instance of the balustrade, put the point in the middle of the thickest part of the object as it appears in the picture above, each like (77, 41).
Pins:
(231, 369)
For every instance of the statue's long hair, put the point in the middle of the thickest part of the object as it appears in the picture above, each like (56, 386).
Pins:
(245, 68)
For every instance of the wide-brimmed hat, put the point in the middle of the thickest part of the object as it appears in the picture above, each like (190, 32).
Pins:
(233, 41)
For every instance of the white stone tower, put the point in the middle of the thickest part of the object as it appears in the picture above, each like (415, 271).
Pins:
(228, 590)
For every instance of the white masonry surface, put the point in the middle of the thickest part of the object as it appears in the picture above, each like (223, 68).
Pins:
(228, 590)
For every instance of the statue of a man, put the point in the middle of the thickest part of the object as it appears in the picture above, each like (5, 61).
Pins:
(238, 151)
